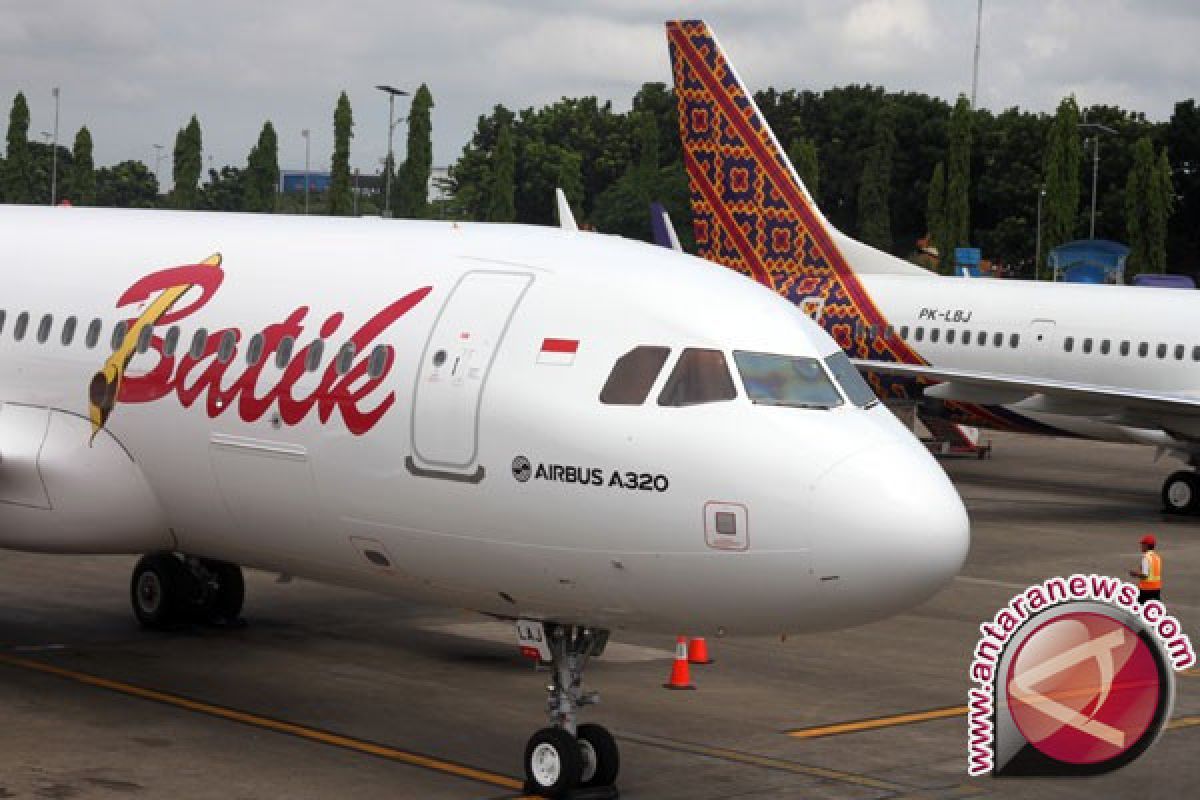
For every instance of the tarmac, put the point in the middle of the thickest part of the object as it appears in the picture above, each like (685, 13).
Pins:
(333, 693)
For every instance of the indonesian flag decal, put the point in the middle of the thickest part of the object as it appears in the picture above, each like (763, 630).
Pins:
(558, 352)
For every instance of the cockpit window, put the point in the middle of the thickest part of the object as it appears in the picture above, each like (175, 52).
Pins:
(846, 374)
(700, 376)
(792, 381)
(634, 374)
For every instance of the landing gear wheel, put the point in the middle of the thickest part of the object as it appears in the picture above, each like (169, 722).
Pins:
(601, 759)
(226, 593)
(1181, 493)
(160, 590)
(553, 762)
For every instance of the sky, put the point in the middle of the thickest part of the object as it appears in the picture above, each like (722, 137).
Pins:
(134, 71)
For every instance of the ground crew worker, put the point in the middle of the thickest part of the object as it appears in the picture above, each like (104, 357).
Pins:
(1150, 575)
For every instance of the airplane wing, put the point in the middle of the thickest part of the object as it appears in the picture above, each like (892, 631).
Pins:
(1057, 396)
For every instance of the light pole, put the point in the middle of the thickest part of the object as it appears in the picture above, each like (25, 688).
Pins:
(305, 134)
(387, 174)
(54, 152)
(1095, 164)
(1037, 254)
(158, 157)
(975, 71)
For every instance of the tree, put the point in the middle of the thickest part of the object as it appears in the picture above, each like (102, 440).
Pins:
(129, 184)
(188, 162)
(956, 221)
(412, 187)
(261, 178)
(569, 178)
(874, 193)
(80, 182)
(1183, 143)
(1148, 199)
(803, 154)
(341, 200)
(225, 190)
(935, 206)
(1061, 176)
(16, 185)
(501, 205)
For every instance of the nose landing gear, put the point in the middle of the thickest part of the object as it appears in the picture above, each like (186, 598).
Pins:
(167, 590)
(567, 760)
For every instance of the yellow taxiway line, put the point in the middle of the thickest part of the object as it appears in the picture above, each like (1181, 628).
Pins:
(278, 726)
(873, 723)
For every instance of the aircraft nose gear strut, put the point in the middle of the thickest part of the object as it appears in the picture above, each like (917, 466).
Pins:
(568, 760)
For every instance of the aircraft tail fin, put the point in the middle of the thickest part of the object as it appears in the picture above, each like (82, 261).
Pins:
(751, 210)
(663, 229)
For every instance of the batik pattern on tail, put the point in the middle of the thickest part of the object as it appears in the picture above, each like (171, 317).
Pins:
(751, 214)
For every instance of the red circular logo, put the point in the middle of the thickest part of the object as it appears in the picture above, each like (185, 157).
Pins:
(1083, 688)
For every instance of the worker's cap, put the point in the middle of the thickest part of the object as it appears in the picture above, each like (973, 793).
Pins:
(1149, 539)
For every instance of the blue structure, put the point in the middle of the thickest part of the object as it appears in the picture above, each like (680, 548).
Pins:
(292, 180)
(1089, 261)
(1164, 281)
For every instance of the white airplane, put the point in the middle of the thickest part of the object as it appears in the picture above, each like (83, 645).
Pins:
(572, 431)
(1113, 363)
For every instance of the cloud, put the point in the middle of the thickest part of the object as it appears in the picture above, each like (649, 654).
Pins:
(135, 71)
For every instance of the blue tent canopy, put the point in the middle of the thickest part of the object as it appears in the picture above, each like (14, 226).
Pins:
(1089, 261)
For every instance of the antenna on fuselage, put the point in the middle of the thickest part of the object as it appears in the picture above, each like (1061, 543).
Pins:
(566, 219)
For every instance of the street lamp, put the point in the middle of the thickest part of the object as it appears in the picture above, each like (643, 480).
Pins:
(305, 134)
(1037, 255)
(387, 175)
(54, 152)
(158, 157)
(1095, 164)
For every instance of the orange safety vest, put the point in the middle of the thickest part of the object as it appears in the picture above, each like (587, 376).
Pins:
(1153, 579)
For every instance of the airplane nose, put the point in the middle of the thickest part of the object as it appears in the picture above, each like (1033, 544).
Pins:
(903, 534)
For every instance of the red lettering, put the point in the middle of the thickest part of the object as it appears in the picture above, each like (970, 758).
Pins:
(343, 393)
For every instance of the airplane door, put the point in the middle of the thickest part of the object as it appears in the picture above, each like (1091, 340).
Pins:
(1041, 344)
(454, 370)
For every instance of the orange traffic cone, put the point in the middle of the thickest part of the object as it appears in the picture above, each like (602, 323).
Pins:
(698, 651)
(681, 677)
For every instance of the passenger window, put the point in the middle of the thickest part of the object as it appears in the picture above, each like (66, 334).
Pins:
(997, 339)
(1179, 352)
(199, 344)
(966, 338)
(1162, 350)
(981, 339)
(171, 341)
(21, 326)
(315, 350)
(378, 361)
(904, 332)
(1125, 347)
(283, 354)
(144, 337)
(44, 326)
(934, 334)
(95, 328)
(1087, 345)
(118, 334)
(920, 333)
(1143, 349)
(792, 381)
(889, 333)
(950, 336)
(254, 350)
(1014, 339)
(68, 330)
(1104, 347)
(345, 358)
(633, 376)
(1195, 353)
(700, 376)
(226, 348)
(1069, 343)
(1, 322)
